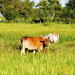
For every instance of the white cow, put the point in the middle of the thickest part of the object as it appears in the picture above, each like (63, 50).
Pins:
(52, 38)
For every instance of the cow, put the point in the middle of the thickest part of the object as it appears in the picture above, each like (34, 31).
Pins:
(52, 38)
(33, 43)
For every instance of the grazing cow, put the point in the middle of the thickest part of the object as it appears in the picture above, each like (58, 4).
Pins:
(33, 43)
(52, 38)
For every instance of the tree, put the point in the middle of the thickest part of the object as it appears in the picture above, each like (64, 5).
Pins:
(50, 8)
(8, 8)
(71, 4)
(14, 8)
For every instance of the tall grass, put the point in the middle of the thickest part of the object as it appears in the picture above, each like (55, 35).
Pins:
(59, 59)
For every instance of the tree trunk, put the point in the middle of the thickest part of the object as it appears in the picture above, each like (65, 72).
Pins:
(53, 15)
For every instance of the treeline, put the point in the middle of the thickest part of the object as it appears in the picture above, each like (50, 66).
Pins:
(45, 11)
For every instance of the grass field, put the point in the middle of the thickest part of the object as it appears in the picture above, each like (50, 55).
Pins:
(59, 59)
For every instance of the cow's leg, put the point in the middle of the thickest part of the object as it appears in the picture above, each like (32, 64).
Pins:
(57, 40)
(34, 51)
(23, 49)
(40, 48)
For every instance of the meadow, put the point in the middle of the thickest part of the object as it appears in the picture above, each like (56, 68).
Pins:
(58, 59)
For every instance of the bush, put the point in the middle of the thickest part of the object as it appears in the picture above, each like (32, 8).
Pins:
(47, 23)
(67, 20)
(29, 20)
(18, 19)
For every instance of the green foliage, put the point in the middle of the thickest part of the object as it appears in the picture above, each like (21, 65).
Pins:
(44, 11)
(18, 19)
(50, 8)
(8, 8)
(67, 15)
(71, 4)
(15, 8)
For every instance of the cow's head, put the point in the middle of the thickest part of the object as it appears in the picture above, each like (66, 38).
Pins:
(45, 42)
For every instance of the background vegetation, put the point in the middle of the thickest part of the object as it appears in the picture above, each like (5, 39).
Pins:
(58, 59)
(45, 11)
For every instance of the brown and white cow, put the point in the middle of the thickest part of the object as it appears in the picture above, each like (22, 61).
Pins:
(52, 38)
(33, 43)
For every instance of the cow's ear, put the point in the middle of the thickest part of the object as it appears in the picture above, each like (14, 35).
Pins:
(41, 40)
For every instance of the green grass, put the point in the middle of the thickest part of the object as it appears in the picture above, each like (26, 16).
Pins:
(59, 59)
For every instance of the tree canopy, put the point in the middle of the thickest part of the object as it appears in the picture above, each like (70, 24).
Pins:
(44, 11)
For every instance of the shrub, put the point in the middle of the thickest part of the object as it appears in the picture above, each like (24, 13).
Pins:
(18, 19)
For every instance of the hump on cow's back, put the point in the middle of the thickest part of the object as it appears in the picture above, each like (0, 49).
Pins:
(26, 37)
